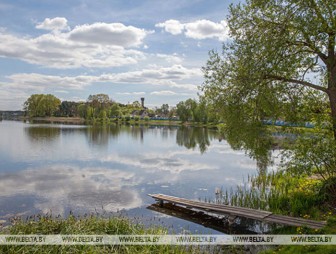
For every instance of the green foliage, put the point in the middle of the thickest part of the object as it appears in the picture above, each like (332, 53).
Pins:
(192, 110)
(265, 72)
(328, 190)
(89, 112)
(182, 111)
(81, 109)
(312, 155)
(68, 108)
(136, 105)
(99, 100)
(165, 109)
(103, 114)
(40, 105)
(115, 110)
(280, 193)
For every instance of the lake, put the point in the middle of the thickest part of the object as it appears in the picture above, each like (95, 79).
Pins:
(111, 169)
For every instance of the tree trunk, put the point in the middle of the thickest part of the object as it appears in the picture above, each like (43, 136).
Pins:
(332, 101)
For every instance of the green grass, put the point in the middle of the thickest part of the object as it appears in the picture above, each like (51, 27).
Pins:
(309, 249)
(46, 224)
(281, 193)
(284, 193)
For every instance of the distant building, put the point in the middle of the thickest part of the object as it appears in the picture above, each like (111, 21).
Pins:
(143, 102)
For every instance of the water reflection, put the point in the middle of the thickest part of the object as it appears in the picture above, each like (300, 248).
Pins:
(99, 136)
(61, 187)
(112, 167)
(188, 137)
(210, 221)
(191, 138)
(40, 133)
(255, 139)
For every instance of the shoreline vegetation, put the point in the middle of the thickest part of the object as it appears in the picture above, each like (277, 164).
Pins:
(165, 122)
(98, 121)
(87, 225)
(95, 224)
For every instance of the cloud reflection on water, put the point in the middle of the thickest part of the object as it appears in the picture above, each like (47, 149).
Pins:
(83, 168)
(170, 161)
(60, 186)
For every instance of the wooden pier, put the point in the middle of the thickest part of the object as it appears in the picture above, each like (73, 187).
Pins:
(202, 218)
(235, 211)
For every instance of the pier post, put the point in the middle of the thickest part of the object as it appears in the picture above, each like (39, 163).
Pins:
(231, 219)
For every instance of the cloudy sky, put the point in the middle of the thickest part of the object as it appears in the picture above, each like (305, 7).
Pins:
(125, 48)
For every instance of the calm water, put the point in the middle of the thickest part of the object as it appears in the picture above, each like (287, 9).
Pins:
(83, 169)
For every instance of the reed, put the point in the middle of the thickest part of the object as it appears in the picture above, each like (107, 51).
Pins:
(278, 192)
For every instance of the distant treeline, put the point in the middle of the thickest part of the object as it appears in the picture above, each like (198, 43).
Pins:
(100, 106)
(8, 114)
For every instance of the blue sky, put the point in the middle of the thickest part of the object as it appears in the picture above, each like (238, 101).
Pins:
(127, 48)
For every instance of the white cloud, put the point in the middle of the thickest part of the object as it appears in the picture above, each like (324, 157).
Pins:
(20, 86)
(96, 45)
(174, 76)
(61, 91)
(55, 24)
(40, 82)
(172, 26)
(173, 59)
(199, 29)
(204, 29)
(163, 93)
(132, 93)
(109, 34)
(175, 72)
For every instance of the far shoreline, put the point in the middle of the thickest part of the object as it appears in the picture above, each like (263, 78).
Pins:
(98, 121)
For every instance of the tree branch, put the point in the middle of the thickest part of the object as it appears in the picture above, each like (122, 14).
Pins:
(319, 15)
(310, 45)
(295, 81)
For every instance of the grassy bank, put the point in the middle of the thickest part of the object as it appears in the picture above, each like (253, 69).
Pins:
(330, 229)
(282, 193)
(68, 120)
(86, 226)
(288, 194)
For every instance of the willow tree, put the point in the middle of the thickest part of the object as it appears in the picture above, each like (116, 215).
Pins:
(41, 105)
(280, 62)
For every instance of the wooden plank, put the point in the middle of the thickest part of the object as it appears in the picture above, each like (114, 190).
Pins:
(220, 206)
(293, 221)
(217, 208)
(240, 211)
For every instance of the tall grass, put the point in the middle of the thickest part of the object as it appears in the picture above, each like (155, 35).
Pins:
(280, 193)
(86, 225)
